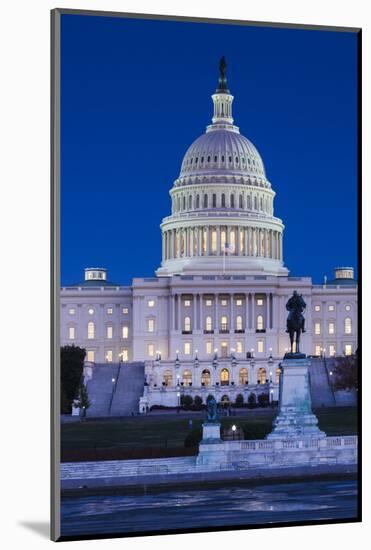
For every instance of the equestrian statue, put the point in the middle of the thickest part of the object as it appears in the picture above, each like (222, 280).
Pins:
(295, 319)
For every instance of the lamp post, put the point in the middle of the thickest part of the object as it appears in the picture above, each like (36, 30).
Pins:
(234, 428)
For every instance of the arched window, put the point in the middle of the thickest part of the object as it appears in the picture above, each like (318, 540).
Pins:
(178, 204)
(232, 241)
(261, 203)
(348, 325)
(262, 376)
(184, 203)
(197, 201)
(214, 200)
(206, 377)
(190, 202)
(223, 200)
(232, 201)
(239, 322)
(243, 376)
(187, 324)
(209, 324)
(205, 201)
(259, 322)
(223, 238)
(248, 202)
(168, 378)
(255, 203)
(240, 201)
(278, 372)
(91, 330)
(213, 241)
(125, 330)
(224, 349)
(224, 377)
(224, 322)
(187, 377)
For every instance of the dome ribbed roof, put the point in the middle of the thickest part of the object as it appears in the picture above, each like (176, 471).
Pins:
(219, 150)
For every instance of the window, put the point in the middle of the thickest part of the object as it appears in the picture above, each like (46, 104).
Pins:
(348, 325)
(150, 350)
(209, 347)
(331, 308)
(224, 377)
(224, 349)
(331, 350)
(331, 328)
(317, 328)
(109, 356)
(90, 355)
(278, 372)
(91, 330)
(209, 303)
(72, 311)
(239, 347)
(187, 377)
(239, 302)
(348, 349)
(71, 333)
(151, 303)
(243, 376)
(125, 354)
(91, 311)
(260, 346)
(125, 310)
(214, 199)
(262, 376)
(223, 200)
(109, 332)
(259, 302)
(317, 350)
(347, 307)
(259, 322)
(187, 303)
(187, 348)
(168, 378)
(125, 332)
(209, 323)
(150, 325)
(205, 377)
(187, 324)
(223, 302)
(213, 241)
(109, 311)
(317, 308)
(224, 322)
(239, 324)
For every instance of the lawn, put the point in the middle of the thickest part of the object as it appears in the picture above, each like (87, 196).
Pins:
(164, 435)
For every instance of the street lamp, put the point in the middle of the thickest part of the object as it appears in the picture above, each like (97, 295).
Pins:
(270, 353)
(252, 352)
(234, 428)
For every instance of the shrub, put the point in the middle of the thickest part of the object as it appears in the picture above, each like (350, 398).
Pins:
(193, 438)
(251, 401)
(239, 400)
(263, 399)
(197, 402)
(186, 401)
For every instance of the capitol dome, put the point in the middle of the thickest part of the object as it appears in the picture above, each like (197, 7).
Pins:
(222, 218)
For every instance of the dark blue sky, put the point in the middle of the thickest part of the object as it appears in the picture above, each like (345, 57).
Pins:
(136, 93)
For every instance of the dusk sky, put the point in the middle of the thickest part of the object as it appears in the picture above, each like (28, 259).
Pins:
(135, 95)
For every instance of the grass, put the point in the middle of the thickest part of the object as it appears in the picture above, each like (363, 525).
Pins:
(164, 435)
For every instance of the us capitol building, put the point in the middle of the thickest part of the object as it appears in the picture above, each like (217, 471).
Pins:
(213, 318)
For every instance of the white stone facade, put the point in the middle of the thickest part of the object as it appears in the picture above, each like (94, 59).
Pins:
(213, 318)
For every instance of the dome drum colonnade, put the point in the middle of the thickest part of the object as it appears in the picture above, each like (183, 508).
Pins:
(222, 205)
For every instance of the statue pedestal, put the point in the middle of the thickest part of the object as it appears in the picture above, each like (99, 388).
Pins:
(295, 417)
(211, 432)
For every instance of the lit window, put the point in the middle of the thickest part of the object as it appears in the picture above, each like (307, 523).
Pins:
(71, 333)
(331, 328)
(150, 350)
(348, 349)
(109, 356)
(223, 302)
(125, 310)
(125, 355)
(317, 350)
(206, 377)
(238, 302)
(209, 303)
(91, 330)
(224, 349)
(278, 372)
(168, 378)
(259, 302)
(109, 332)
(91, 311)
(125, 332)
(109, 311)
(90, 355)
(223, 322)
(209, 323)
(331, 350)
(262, 376)
(150, 325)
(224, 377)
(209, 347)
(317, 308)
(347, 307)
(239, 347)
(348, 325)
(187, 377)
(187, 324)
(151, 303)
(331, 308)
(260, 346)
(260, 322)
(187, 303)
(239, 322)
(187, 348)
(317, 328)
(72, 311)
(243, 376)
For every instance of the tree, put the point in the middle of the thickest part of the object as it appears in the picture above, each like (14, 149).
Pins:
(239, 400)
(346, 373)
(83, 401)
(72, 365)
(197, 402)
(251, 400)
(186, 401)
(263, 399)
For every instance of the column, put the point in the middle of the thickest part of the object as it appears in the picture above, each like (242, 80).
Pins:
(231, 324)
(194, 303)
(172, 325)
(237, 240)
(179, 311)
(247, 317)
(201, 312)
(218, 247)
(266, 243)
(216, 320)
(253, 320)
(268, 302)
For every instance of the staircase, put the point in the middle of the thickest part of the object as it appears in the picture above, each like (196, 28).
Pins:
(114, 390)
(320, 388)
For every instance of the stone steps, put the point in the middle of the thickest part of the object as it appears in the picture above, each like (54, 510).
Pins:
(321, 391)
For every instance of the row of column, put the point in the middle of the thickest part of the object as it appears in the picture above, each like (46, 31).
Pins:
(198, 308)
(211, 241)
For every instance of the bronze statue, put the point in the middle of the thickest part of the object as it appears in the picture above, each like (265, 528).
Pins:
(212, 410)
(295, 319)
